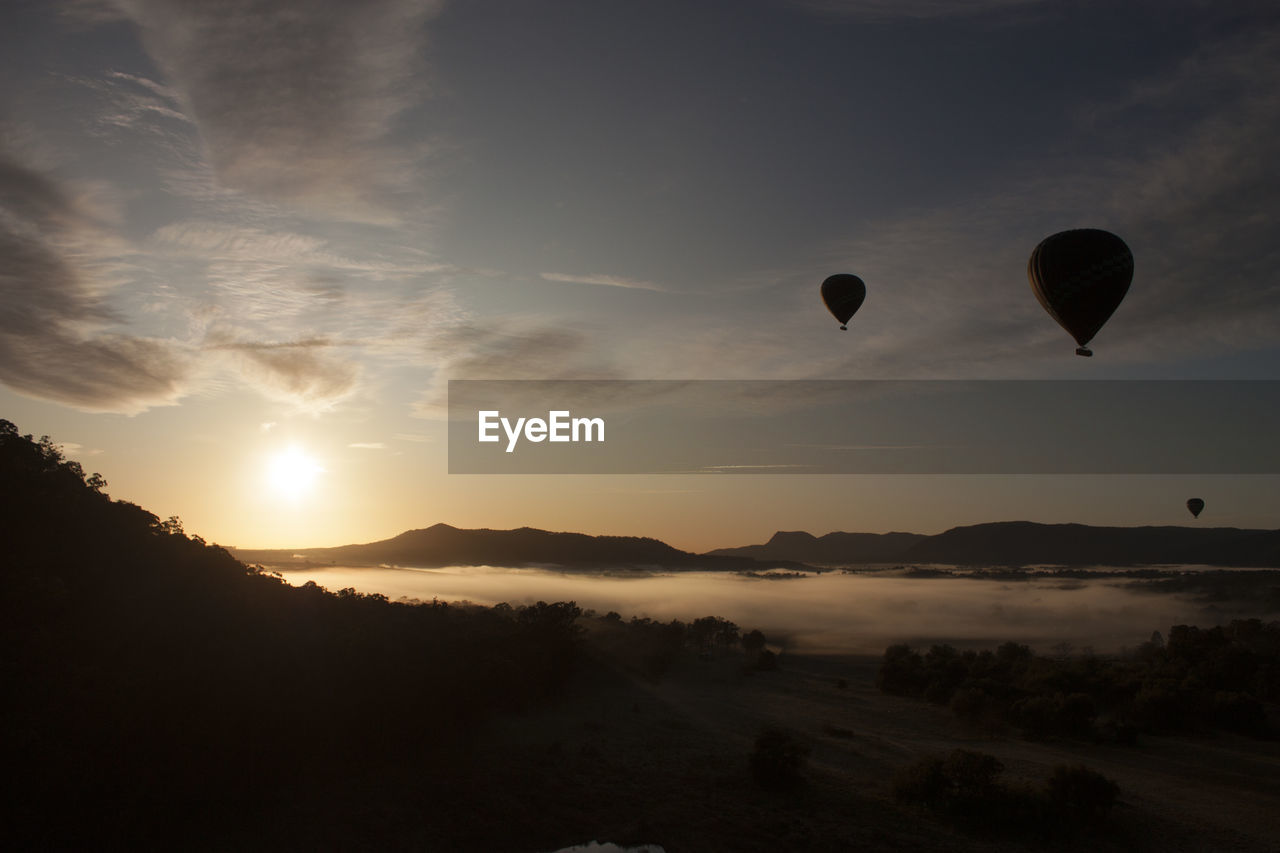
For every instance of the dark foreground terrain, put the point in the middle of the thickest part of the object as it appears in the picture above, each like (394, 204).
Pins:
(669, 763)
(162, 695)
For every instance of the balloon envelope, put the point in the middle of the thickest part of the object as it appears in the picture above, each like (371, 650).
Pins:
(843, 294)
(1080, 277)
(1195, 505)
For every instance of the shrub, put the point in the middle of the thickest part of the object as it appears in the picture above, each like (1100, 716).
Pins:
(1076, 791)
(901, 672)
(964, 788)
(753, 641)
(778, 760)
(1240, 713)
(949, 784)
(765, 661)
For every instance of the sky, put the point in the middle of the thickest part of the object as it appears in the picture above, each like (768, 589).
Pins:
(244, 246)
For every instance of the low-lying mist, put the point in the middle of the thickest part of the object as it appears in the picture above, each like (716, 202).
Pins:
(828, 613)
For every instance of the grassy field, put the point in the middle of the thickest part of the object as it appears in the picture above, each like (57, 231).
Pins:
(632, 761)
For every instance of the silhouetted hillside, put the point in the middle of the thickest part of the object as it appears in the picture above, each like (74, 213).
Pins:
(1025, 542)
(833, 548)
(1017, 543)
(160, 691)
(1009, 543)
(442, 545)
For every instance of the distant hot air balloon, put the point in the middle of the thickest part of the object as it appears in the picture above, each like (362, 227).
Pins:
(843, 294)
(1195, 505)
(1080, 277)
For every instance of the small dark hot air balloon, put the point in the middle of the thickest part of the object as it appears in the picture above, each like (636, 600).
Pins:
(1080, 277)
(843, 294)
(1195, 505)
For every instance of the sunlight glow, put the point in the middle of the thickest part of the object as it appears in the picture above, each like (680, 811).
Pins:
(292, 473)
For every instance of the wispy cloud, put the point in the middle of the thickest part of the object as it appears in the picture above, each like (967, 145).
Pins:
(529, 350)
(1199, 202)
(603, 280)
(56, 265)
(861, 447)
(368, 445)
(305, 374)
(296, 101)
(71, 448)
(749, 467)
(219, 240)
(882, 10)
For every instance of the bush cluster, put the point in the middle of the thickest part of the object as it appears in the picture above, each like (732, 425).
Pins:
(650, 648)
(1201, 679)
(965, 788)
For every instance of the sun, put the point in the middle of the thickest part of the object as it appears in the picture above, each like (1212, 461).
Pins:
(292, 473)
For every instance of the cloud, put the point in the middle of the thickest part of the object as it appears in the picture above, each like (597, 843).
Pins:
(90, 13)
(212, 240)
(866, 447)
(296, 101)
(604, 280)
(886, 10)
(226, 241)
(368, 445)
(533, 351)
(301, 373)
(718, 468)
(112, 373)
(138, 104)
(56, 264)
(1198, 204)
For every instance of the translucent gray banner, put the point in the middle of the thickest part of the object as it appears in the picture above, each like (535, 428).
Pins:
(863, 427)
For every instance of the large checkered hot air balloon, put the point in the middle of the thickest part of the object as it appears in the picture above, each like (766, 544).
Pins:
(1080, 277)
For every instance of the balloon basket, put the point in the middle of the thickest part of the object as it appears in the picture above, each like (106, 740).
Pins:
(1085, 351)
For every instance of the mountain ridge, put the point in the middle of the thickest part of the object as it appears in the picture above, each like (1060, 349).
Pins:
(445, 545)
(1006, 543)
(1002, 543)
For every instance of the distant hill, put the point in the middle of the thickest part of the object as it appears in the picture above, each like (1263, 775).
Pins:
(443, 545)
(1015, 543)
(1025, 542)
(833, 548)
(1005, 543)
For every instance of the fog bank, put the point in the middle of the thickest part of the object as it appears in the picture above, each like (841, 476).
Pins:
(825, 613)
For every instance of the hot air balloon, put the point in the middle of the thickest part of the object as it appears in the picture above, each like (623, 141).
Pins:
(843, 294)
(1080, 277)
(1195, 505)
